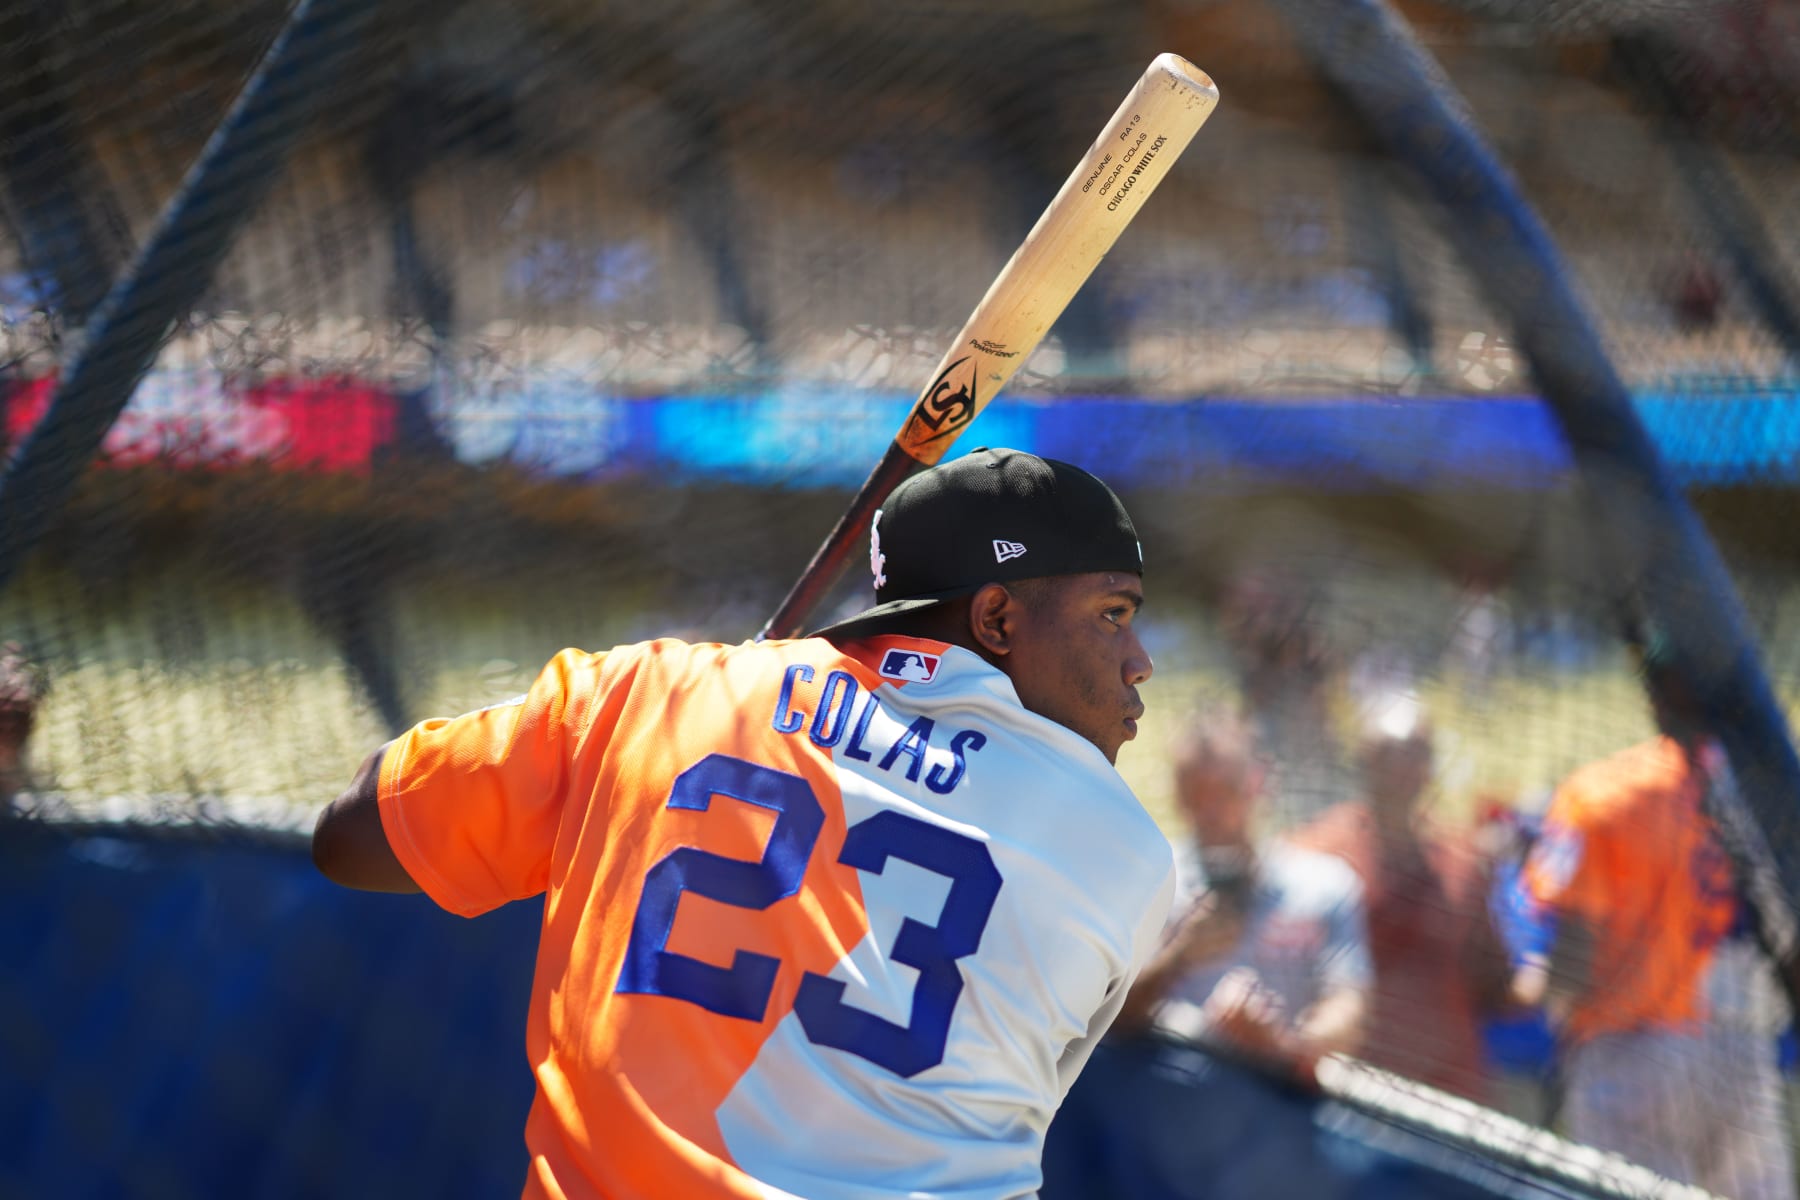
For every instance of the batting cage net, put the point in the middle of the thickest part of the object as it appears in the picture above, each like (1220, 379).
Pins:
(478, 330)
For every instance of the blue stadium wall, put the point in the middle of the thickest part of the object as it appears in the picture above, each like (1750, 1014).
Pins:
(206, 1018)
(1712, 433)
(199, 1014)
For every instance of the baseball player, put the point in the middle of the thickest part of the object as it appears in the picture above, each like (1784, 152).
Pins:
(833, 917)
(1661, 1063)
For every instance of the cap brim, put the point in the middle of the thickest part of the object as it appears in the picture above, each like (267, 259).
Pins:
(869, 616)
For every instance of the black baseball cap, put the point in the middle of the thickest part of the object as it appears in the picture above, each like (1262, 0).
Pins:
(992, 516)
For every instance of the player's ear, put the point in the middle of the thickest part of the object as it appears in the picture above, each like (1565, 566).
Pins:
(994, 618)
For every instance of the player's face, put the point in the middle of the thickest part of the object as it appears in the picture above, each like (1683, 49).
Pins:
(1077, 659)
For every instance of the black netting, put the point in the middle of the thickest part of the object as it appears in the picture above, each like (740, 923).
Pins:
(569, 324)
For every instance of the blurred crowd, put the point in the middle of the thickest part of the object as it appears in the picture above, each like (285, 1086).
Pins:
(23, 683)
(1583, 961)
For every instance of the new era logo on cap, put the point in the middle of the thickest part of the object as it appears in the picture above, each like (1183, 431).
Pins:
(1004, 550)
(909, 666)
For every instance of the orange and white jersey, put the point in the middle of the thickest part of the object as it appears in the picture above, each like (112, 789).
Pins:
(819, 921)
(1627, 848)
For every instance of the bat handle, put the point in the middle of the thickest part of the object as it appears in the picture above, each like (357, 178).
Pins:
(827, 566)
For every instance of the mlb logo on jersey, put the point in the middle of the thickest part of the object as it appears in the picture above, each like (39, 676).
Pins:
(910, 666)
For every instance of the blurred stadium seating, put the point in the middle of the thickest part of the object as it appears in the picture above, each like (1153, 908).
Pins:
(572, 324)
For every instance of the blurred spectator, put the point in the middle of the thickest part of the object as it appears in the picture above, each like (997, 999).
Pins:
(1264, 957)
(1380, 668)
(1282, 660)
(1480, 638)
(1519, 1046)
(22, 688)
(1645, 908)
(1266, 949)
(1695, 294)
(1438, 958)
(1550, 635)
(1272, 624)
(1747, 1017)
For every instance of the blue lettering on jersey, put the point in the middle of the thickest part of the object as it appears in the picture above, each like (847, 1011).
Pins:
(743, 990)
(786, 720)
(855, 749)
(1557, 856)
(831, 719)
(944, 782)
(824, 732)
(913, 743)
(975, 883)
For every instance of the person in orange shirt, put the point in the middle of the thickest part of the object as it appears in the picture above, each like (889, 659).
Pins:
(841, 916)
(1640, 896)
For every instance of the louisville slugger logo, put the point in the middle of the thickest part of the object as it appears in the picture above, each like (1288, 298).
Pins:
(947, 405)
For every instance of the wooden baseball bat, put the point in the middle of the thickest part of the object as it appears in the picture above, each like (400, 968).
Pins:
(1101, 196)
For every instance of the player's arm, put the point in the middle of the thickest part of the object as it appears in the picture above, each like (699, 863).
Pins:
(349, 845)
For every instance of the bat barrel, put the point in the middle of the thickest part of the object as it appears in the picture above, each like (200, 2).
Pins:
(1133, 153)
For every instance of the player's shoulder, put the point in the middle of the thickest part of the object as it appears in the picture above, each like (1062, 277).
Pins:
(1618, 786)
(572, 670)
(1024, 758)
(667, 665)
(1117, 857)
(1110, 829)
(678, 655)
(1060, 795)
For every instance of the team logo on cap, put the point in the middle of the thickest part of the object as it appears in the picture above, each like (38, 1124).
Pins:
(1004, 550)
(877, 560)
(909, 666)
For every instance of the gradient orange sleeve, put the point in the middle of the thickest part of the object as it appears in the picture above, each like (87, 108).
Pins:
(471, 805)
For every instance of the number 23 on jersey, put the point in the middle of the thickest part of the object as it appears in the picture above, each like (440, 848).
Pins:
(742, 990)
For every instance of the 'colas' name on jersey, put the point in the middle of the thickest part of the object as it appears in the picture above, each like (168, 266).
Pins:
(845, 713)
